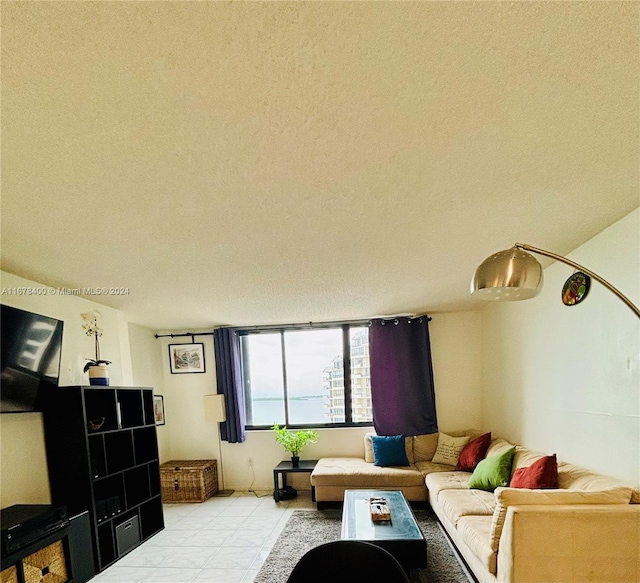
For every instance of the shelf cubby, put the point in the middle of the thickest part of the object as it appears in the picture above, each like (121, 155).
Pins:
(130, 402)
(97, 457)
(145, 444)
(147, 406)
(100, 410)
(150, 515)
(106, 544)
(109, 499)
(154, 485)
(136, 486)
(119, 451)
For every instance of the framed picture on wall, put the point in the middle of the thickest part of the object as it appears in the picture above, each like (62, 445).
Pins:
(158, 409)
(186, 358)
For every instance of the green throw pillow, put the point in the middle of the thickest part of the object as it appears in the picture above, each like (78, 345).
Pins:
(493, 472)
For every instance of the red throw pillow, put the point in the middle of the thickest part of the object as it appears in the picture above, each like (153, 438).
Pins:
(473, 453)
(540, 474)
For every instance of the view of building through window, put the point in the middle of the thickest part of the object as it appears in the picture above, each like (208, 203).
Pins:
(296, 377)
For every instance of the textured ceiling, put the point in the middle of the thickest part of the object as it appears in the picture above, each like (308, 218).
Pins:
(249, 163)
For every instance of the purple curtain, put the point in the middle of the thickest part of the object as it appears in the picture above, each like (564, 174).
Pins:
(402, 393)
(229, 378)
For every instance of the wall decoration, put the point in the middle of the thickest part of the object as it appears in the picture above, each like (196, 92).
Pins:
(158, 409)
(576, 288)
(186, 358)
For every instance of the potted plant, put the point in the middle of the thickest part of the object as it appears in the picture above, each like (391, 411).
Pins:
(97, 368)
(294, 441)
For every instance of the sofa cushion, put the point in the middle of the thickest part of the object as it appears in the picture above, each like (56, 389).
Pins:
(438, 481)
(449, 449)
(389, 450)
(473, 453)
(424, 447)
(498, 446)
(426, 468)
(524, 458)
(356, 473)
(475, 531)
(493, 471)
(457, 503)
(506, 497)
(575, 478)
(542, 473)
(368, 448)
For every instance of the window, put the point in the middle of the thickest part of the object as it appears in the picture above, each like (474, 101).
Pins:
(307, 377)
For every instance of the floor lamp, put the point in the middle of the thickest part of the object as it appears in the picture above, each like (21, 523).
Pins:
(514, 274)
(214, 410)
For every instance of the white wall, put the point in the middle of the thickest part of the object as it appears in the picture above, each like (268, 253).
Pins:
(567, 379)
(23, 469)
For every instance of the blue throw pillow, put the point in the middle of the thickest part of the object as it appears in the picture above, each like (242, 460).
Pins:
(388, 450)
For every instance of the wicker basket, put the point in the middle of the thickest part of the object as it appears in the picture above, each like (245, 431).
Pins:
(46, 565)
(9, 575)
(188, 480)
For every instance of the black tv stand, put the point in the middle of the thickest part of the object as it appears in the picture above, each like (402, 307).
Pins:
(37, 536)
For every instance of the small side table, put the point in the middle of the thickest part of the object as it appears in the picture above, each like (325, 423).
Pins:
(286, 467)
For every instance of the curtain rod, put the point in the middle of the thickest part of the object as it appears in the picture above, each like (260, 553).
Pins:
(192, 334)
(245, 329)
(303, 325)
(307, 325)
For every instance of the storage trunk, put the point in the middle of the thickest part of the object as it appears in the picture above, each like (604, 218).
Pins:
(188, 480)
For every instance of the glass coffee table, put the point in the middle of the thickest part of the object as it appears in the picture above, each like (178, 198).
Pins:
(401, 536)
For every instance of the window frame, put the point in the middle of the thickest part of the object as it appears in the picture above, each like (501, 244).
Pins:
(346, 368)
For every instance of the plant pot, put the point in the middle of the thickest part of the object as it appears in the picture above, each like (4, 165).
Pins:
(99, 375)
(295, 461)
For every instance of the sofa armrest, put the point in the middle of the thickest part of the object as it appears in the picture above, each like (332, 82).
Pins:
(506, 497)
(570, 543)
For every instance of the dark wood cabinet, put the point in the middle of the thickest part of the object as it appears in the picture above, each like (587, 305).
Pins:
(65, 552)
(102, 455)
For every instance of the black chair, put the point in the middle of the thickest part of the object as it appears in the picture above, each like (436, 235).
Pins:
(346, 561)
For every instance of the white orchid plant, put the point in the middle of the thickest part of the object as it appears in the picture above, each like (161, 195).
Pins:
(91, 328)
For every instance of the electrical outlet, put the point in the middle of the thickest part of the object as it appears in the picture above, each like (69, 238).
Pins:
(250, 460)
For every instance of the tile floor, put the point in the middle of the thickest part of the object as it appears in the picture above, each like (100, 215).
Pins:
(222, 540)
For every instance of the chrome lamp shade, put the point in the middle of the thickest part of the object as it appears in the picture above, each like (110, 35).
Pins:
(514, 274)
(509, 275)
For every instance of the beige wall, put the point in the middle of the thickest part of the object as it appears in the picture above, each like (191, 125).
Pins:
(457, 363)
(147, 367)
(191, 437)
(567, 379)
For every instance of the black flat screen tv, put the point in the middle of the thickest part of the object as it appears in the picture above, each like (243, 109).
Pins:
(30, 358)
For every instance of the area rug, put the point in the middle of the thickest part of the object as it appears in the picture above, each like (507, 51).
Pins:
(309, 528)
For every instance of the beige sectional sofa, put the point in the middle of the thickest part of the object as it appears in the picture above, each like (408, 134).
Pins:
(586, 530)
